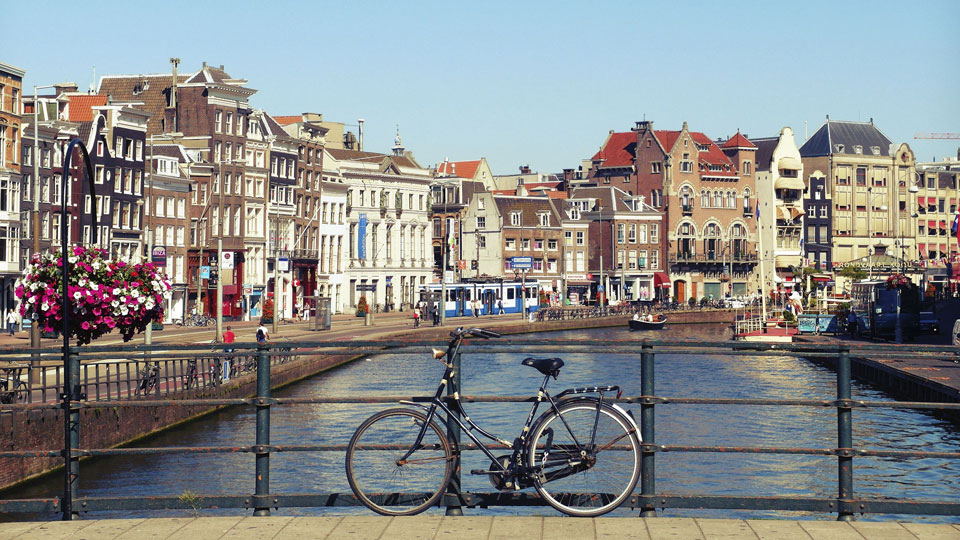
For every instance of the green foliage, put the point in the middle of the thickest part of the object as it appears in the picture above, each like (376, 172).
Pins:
(788, 316)
(191, 498)
(362, 307)
(853, 272)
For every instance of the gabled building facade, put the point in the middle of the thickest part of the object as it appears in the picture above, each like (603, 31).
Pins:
(11, 87)
(869, 182)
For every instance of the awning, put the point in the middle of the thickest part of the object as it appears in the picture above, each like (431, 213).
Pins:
(661, 279)
(943, 224)
(922, 248)
(822, 279)
(921, 201)
(932, 224)
(788, 183)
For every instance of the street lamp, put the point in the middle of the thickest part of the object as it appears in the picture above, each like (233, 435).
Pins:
(35, 216)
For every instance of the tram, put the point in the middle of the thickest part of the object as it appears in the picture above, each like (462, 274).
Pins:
(494, 295)
(876, 308)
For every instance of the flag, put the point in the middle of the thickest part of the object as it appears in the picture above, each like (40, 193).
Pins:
(758, 209)
(955, 228)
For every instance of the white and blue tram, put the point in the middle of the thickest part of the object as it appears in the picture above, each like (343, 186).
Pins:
(462, 296)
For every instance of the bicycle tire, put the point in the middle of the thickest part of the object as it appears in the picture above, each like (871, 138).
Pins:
(378, 480)
(20, 391)
(600, 487)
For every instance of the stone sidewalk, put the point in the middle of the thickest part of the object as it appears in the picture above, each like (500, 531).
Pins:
(470, 528)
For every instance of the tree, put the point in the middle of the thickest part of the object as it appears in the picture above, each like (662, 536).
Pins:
(854, 272)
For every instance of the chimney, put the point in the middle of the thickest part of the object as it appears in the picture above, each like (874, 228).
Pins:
(360, 122)
(65, 87)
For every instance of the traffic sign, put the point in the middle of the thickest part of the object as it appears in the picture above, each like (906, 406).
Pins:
(365, 287)
(521, 262)
(204, 272)
(247, 290)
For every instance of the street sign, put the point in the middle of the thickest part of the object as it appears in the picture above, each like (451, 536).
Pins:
(247, 290)
(517, 263)
(365, 287)
(204, 272)
(284, 264)
(226, 261)
(159, 256)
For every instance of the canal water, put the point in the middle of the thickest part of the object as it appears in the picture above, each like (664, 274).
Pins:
(501, 374)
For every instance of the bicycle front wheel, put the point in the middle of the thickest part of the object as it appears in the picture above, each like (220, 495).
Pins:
(383, 482)
(579, 478)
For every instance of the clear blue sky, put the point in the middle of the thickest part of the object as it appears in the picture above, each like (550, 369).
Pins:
(537, 83)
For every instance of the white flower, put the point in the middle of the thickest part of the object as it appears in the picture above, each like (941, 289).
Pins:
(94, 287)
(135, 293)
(77, 295)
(73, 260)
(140, 299)
(149, 305)
(114, 303)
(44, 306)
(124, 310)
(116, 292)
(33, 299)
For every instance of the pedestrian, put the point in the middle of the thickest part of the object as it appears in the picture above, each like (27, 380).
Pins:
(262, 334)
(296, 312)
(499, 307)
(852, 323)
(436, 316)
(416, 319)
(228, 337)
(476, 308)
(12, 320)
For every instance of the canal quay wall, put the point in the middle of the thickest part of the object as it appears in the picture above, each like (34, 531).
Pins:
(37, 428)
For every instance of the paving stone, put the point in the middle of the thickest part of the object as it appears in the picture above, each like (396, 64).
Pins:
(9, 531)
(458, 528)
(257, 528)
(882, 530)
(412, 528)
(55, 530)
(568, 527)
(830, 530)
(107, 528)
(720, 529)
(933, 531)
(360, 527)
(514, 528)
(312, 528)
(207, 527)
(621, 529)
(155, 529)
(774, 529)
(684, 528)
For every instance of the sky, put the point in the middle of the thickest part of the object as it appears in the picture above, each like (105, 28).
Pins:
(531, 83)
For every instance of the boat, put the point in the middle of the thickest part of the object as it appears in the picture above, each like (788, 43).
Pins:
(655, 324)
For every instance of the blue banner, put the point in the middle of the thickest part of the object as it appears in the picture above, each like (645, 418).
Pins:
(361, 237)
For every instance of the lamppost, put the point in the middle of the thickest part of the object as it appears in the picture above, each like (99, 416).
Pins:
(35, 216)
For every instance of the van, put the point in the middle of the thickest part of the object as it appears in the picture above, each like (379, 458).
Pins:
(956, 333)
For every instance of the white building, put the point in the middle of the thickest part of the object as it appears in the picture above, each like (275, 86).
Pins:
(386, 217)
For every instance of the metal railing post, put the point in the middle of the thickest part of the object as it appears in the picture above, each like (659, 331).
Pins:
(844, 437)
(71, 430)
(263, 431)
(453, 433)
(647, 432)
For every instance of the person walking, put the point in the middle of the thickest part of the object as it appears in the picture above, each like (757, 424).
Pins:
(499, 307)
(12, 320)
(228, 337)
(416, 319)
(852, 323)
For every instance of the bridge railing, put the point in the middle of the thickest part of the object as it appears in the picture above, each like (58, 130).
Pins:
(845, 504)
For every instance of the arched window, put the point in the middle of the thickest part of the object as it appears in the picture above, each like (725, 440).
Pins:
(711, 241)
(738, 241)
(686, 236)
(746, 202)
(704, 198)
(686, 197)
(732, 199)
(717, 199)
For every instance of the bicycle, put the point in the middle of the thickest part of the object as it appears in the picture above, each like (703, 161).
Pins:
(148, 379)
(192, 377)
(400, 461)
(12, 387)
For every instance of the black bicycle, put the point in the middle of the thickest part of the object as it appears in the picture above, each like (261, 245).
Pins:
(191, 378)
(148, 379)
(582, 455)
(12, 387)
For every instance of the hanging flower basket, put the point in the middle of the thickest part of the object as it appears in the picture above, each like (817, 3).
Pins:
(898, 281)
(105, 294)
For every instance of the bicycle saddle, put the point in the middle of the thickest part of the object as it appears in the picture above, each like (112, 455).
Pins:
(547, 366)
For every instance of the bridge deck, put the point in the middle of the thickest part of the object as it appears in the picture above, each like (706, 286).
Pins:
(468, 528)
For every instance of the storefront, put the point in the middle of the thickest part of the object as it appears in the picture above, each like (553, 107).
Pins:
(578, 290)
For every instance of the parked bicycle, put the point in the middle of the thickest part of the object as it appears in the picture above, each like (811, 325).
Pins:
(582, 455)
(194, 319)
(148, 379)
(191, 378)
(12, 387)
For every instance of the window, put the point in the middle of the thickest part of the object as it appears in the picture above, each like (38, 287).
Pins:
(747, 166)
(481, 222)
(229, 123)
(511, 244)
(823, 211)
(861, 176)
(579, 238)
(568, 238)
(654, 233)
(621, 233)
(515, 218)
(705, 199)
(655, 166)
(812, 211)
(544, 219)
(218, 123)
(685, 164)
(538, 244)
(654, 263)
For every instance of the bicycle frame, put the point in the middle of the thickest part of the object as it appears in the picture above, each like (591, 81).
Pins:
(514, 465)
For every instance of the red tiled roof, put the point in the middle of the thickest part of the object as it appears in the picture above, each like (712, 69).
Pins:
(667, 138)
(618, 151)
(713, 156)
(287, 120)
(739, 141)
(81, 106)
(460, 169)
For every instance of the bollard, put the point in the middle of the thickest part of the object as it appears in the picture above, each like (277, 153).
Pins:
(647, 453)
(263, 430)
(844, 437)
(453, 433)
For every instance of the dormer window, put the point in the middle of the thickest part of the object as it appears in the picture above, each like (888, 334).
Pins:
(875, 150)
(857, 149)
(515, 218)
(838, 148)
(544, 219)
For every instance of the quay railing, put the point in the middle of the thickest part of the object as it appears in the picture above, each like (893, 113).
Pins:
(845, 503)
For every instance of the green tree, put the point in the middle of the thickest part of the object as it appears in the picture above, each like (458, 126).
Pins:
(853, 272)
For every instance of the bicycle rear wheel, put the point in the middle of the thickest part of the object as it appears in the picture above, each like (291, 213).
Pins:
(578, 478)
(384, 484)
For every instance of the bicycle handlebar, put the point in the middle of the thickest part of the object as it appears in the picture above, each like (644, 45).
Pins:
(478, 332)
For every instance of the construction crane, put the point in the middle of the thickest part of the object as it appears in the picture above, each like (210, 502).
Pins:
(936, 135)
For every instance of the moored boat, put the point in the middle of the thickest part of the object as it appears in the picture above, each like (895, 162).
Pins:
(642, 324)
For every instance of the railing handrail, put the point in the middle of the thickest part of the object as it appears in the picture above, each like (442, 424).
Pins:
(845, 504)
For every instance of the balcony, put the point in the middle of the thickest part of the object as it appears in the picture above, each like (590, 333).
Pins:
(711, 258)
(686, 209)
(747, 211)
(301, 254)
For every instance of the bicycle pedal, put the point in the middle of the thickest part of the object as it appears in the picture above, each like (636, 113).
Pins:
(481, 472)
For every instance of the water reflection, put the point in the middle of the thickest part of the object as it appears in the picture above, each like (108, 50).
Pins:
(682, 473)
